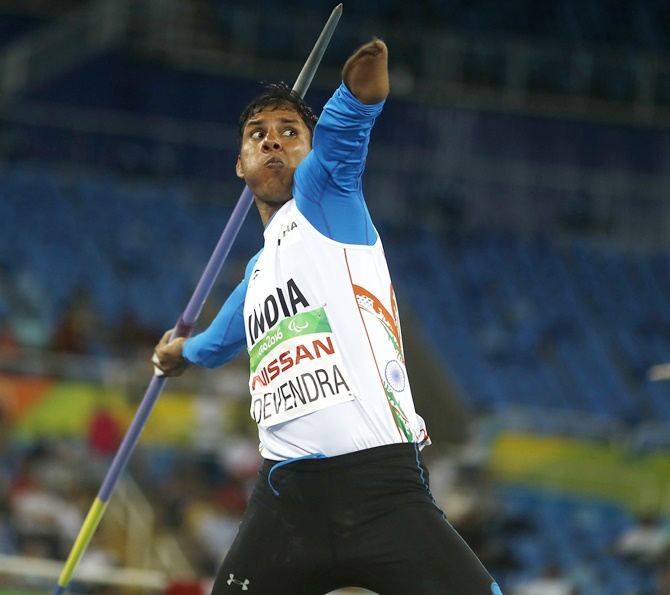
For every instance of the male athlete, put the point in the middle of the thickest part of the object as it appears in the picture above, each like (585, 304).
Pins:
(342, 497)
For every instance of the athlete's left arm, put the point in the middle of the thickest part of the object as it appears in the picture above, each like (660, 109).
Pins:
(327, 185)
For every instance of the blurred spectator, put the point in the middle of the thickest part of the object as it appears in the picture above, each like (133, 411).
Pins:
(78, 331)
(30, 327)
(663, 577)
(104, 433)
(213, 526)
(203, 502)
(8, 343)
(184, 588)
(646, 543)
(231, 498)
(46, 523)
(465, 492)
(552, 582)
(131, 335)
(8, 538)
(7, 454)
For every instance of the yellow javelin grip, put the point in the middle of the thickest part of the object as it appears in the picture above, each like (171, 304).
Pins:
(86, 532)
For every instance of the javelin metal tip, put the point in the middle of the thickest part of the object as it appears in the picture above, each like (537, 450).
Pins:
(337, 9)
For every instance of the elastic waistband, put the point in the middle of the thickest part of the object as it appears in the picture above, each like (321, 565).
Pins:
(347, 461)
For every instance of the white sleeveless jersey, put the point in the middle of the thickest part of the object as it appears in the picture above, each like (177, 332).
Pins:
(327, 367)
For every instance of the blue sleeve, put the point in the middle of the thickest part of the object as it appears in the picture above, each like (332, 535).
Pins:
(225, 337)
(327, 184)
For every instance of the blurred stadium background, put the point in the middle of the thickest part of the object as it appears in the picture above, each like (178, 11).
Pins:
(519, 177)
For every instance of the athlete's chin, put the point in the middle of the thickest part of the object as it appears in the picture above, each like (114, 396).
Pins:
(273, 193)
(275, 201)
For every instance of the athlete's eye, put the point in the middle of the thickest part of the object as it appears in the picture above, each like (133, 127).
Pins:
(257, 134)
(290, 132)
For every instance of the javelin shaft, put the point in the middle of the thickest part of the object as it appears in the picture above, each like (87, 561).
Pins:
(184, 328)
(308, 71)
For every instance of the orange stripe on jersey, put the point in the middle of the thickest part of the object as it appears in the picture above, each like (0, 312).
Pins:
(357, 291)
(372, 304)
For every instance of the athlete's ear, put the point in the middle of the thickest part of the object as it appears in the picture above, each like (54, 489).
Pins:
(238, 168)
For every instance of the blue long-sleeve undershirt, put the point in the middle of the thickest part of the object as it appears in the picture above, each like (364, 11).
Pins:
(327, 190)
(225, 337)
(327, 184)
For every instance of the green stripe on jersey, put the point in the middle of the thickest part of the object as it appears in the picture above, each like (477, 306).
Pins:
(305, 323)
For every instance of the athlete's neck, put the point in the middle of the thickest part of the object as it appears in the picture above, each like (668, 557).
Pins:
(267, 209)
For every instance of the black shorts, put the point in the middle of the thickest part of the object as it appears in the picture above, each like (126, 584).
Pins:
(365, 519)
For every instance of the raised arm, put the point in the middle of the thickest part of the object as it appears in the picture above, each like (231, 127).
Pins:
(366, 74)
(328, 187)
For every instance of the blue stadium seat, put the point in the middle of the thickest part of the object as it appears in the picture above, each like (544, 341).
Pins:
(524, 324)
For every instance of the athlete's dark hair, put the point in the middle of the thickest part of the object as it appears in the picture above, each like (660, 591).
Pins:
(277, 96)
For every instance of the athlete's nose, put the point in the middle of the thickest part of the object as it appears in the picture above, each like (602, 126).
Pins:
(272, 141)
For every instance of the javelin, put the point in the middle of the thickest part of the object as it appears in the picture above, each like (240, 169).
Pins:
(184, 328)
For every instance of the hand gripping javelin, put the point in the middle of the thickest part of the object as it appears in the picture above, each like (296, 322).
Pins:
(184, 328)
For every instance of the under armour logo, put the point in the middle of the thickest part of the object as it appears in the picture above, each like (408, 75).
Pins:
(244, 584)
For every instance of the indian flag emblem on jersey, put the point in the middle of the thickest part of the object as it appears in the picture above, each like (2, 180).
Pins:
(394, 376)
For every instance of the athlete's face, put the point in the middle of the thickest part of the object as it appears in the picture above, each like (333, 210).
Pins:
(274, 143)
